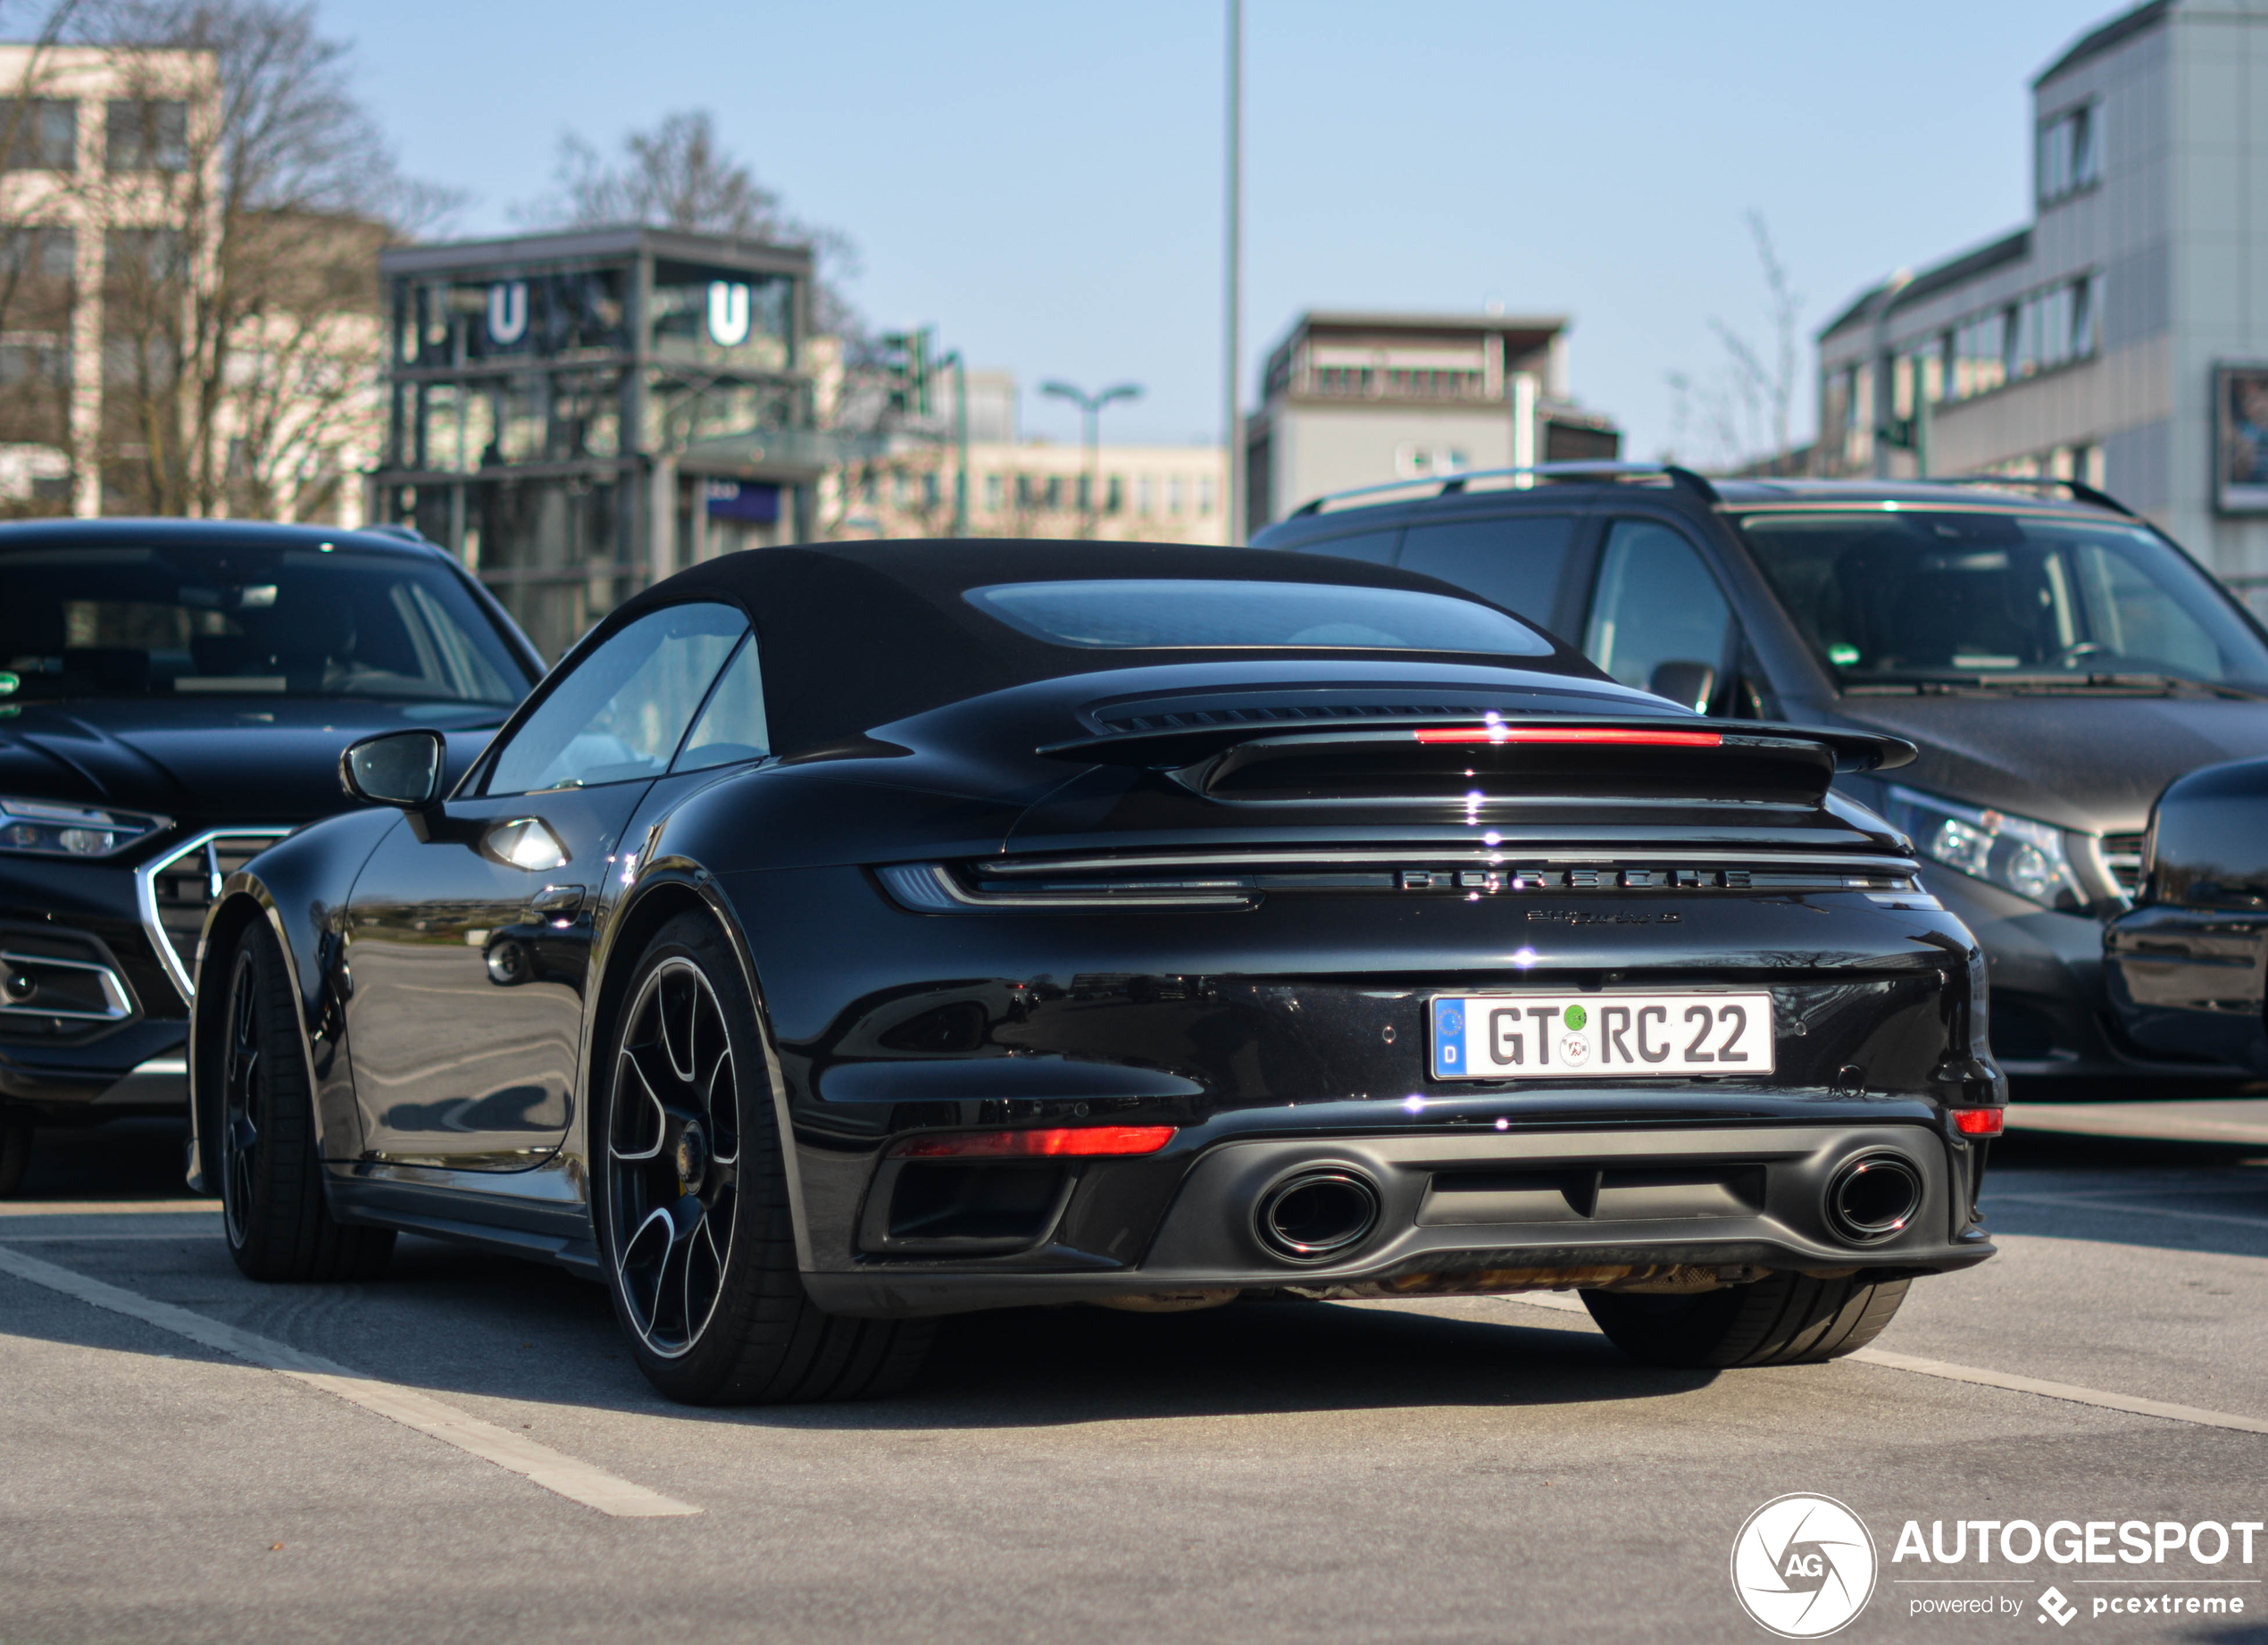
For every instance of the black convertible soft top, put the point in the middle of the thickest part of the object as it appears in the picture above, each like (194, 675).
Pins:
(858, 635)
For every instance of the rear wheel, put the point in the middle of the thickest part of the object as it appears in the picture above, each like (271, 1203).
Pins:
(696, 1235)
(271, 1189)
(1784, 1320)
(15, 1152)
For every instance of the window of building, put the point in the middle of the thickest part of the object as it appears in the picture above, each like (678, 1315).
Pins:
(1173, 494)
(1115, 494)
(2052, 328)
(39, 134)
(1342, 380)
(138, 258)
(1053, 491)
(1204, 496)
(143, 134)
(929, 490)
(37, 254)
(995, 493)
(1145, 495)
(2069, 155)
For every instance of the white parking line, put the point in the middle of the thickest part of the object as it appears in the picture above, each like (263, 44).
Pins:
(578, 1481)
(1942, 1369)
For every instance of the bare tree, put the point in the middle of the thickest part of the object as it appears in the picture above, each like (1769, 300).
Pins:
(242, 195)
(680, 175)
(1745, 409)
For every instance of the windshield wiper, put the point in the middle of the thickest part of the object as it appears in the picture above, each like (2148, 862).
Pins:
(2060, 684)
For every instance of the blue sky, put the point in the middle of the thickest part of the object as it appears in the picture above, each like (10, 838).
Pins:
(1042, 181)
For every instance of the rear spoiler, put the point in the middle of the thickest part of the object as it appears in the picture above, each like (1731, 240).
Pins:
(1182, 747)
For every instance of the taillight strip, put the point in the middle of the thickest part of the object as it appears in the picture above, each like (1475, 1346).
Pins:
(1624, 735)
(1055, 1141)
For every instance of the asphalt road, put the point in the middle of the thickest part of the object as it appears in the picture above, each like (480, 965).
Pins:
(1479, 1469)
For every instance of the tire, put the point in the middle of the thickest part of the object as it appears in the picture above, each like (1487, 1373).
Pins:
(689, 1199)
(278, 1225)
(1784, 1320)
(15, 1153)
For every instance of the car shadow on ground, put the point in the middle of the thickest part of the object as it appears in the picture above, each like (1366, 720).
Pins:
(458, 1320)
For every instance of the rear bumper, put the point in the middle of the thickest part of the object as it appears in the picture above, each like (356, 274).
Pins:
(1645, 1206)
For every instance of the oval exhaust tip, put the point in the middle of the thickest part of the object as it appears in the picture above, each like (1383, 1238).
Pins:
(1317, 1215)
(1872, 1197)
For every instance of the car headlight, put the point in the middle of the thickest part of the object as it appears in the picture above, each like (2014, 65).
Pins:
(43, 828)
(2015, 854)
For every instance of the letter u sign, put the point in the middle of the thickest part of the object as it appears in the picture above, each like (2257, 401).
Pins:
(507, 312)
(728, 313)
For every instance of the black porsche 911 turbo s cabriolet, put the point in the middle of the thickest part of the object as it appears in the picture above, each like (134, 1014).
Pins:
(843, 937)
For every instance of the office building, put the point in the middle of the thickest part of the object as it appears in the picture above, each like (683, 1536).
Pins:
(131, 382)
(2119, 337)
(1023, 487)
(1354, 399)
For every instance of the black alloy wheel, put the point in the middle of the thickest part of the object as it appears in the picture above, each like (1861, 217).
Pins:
(673, 1157)
(240, 1136)
(278, 1223)
(695, 1234)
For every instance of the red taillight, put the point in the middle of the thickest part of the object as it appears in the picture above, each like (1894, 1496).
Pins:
(1625, 735)
(1055, 1141)
(1979, 1122)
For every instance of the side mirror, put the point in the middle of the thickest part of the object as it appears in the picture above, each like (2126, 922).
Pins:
(402, 769)
(1688, 685)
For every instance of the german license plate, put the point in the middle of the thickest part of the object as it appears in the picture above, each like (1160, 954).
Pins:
(1600, 1035)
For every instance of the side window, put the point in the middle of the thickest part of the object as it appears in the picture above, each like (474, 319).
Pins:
(1376, 547)
(1514, 563)
(732, 727)
(620, 715)
(1657, 618)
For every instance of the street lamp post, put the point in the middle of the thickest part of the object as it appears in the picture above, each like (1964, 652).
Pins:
(1091, 406)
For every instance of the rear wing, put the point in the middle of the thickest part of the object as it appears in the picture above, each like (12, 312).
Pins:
(1534, 759)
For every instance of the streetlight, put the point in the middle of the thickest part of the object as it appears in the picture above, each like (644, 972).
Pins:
(1091, 406)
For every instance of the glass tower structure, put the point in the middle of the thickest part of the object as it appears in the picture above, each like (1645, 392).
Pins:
(578, 415)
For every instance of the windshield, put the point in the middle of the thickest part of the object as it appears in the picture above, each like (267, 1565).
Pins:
(1194, 613)
(1918, 596)
(257, 621)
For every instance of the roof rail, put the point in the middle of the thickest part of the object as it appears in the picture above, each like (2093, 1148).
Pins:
(402, 533)
(2080, 491)
(1451, 484)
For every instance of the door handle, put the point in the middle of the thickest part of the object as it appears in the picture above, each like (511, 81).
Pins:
(555, 900)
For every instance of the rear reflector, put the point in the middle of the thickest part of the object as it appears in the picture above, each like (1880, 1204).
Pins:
(1056, 1142)
(1594, 734)
(1979, 1122)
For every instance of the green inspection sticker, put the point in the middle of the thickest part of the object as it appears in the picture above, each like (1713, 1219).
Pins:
(1576, 1019)
(1842, 657)
(9, 682)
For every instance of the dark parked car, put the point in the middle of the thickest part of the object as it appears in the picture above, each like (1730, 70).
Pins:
(2057, 660)
(174, 696)
(843, 937)
(2188, 963)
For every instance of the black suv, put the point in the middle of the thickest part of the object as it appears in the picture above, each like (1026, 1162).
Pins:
(174, 697)
(2057, 659)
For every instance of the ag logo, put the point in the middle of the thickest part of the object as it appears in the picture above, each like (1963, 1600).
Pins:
(1803, 1566)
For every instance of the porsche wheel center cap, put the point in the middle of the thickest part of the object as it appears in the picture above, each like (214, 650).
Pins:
(692, 1158)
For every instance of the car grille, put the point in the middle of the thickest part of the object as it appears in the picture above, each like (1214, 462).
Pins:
(2122, 855)
(178, 888)
(1164, 720)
